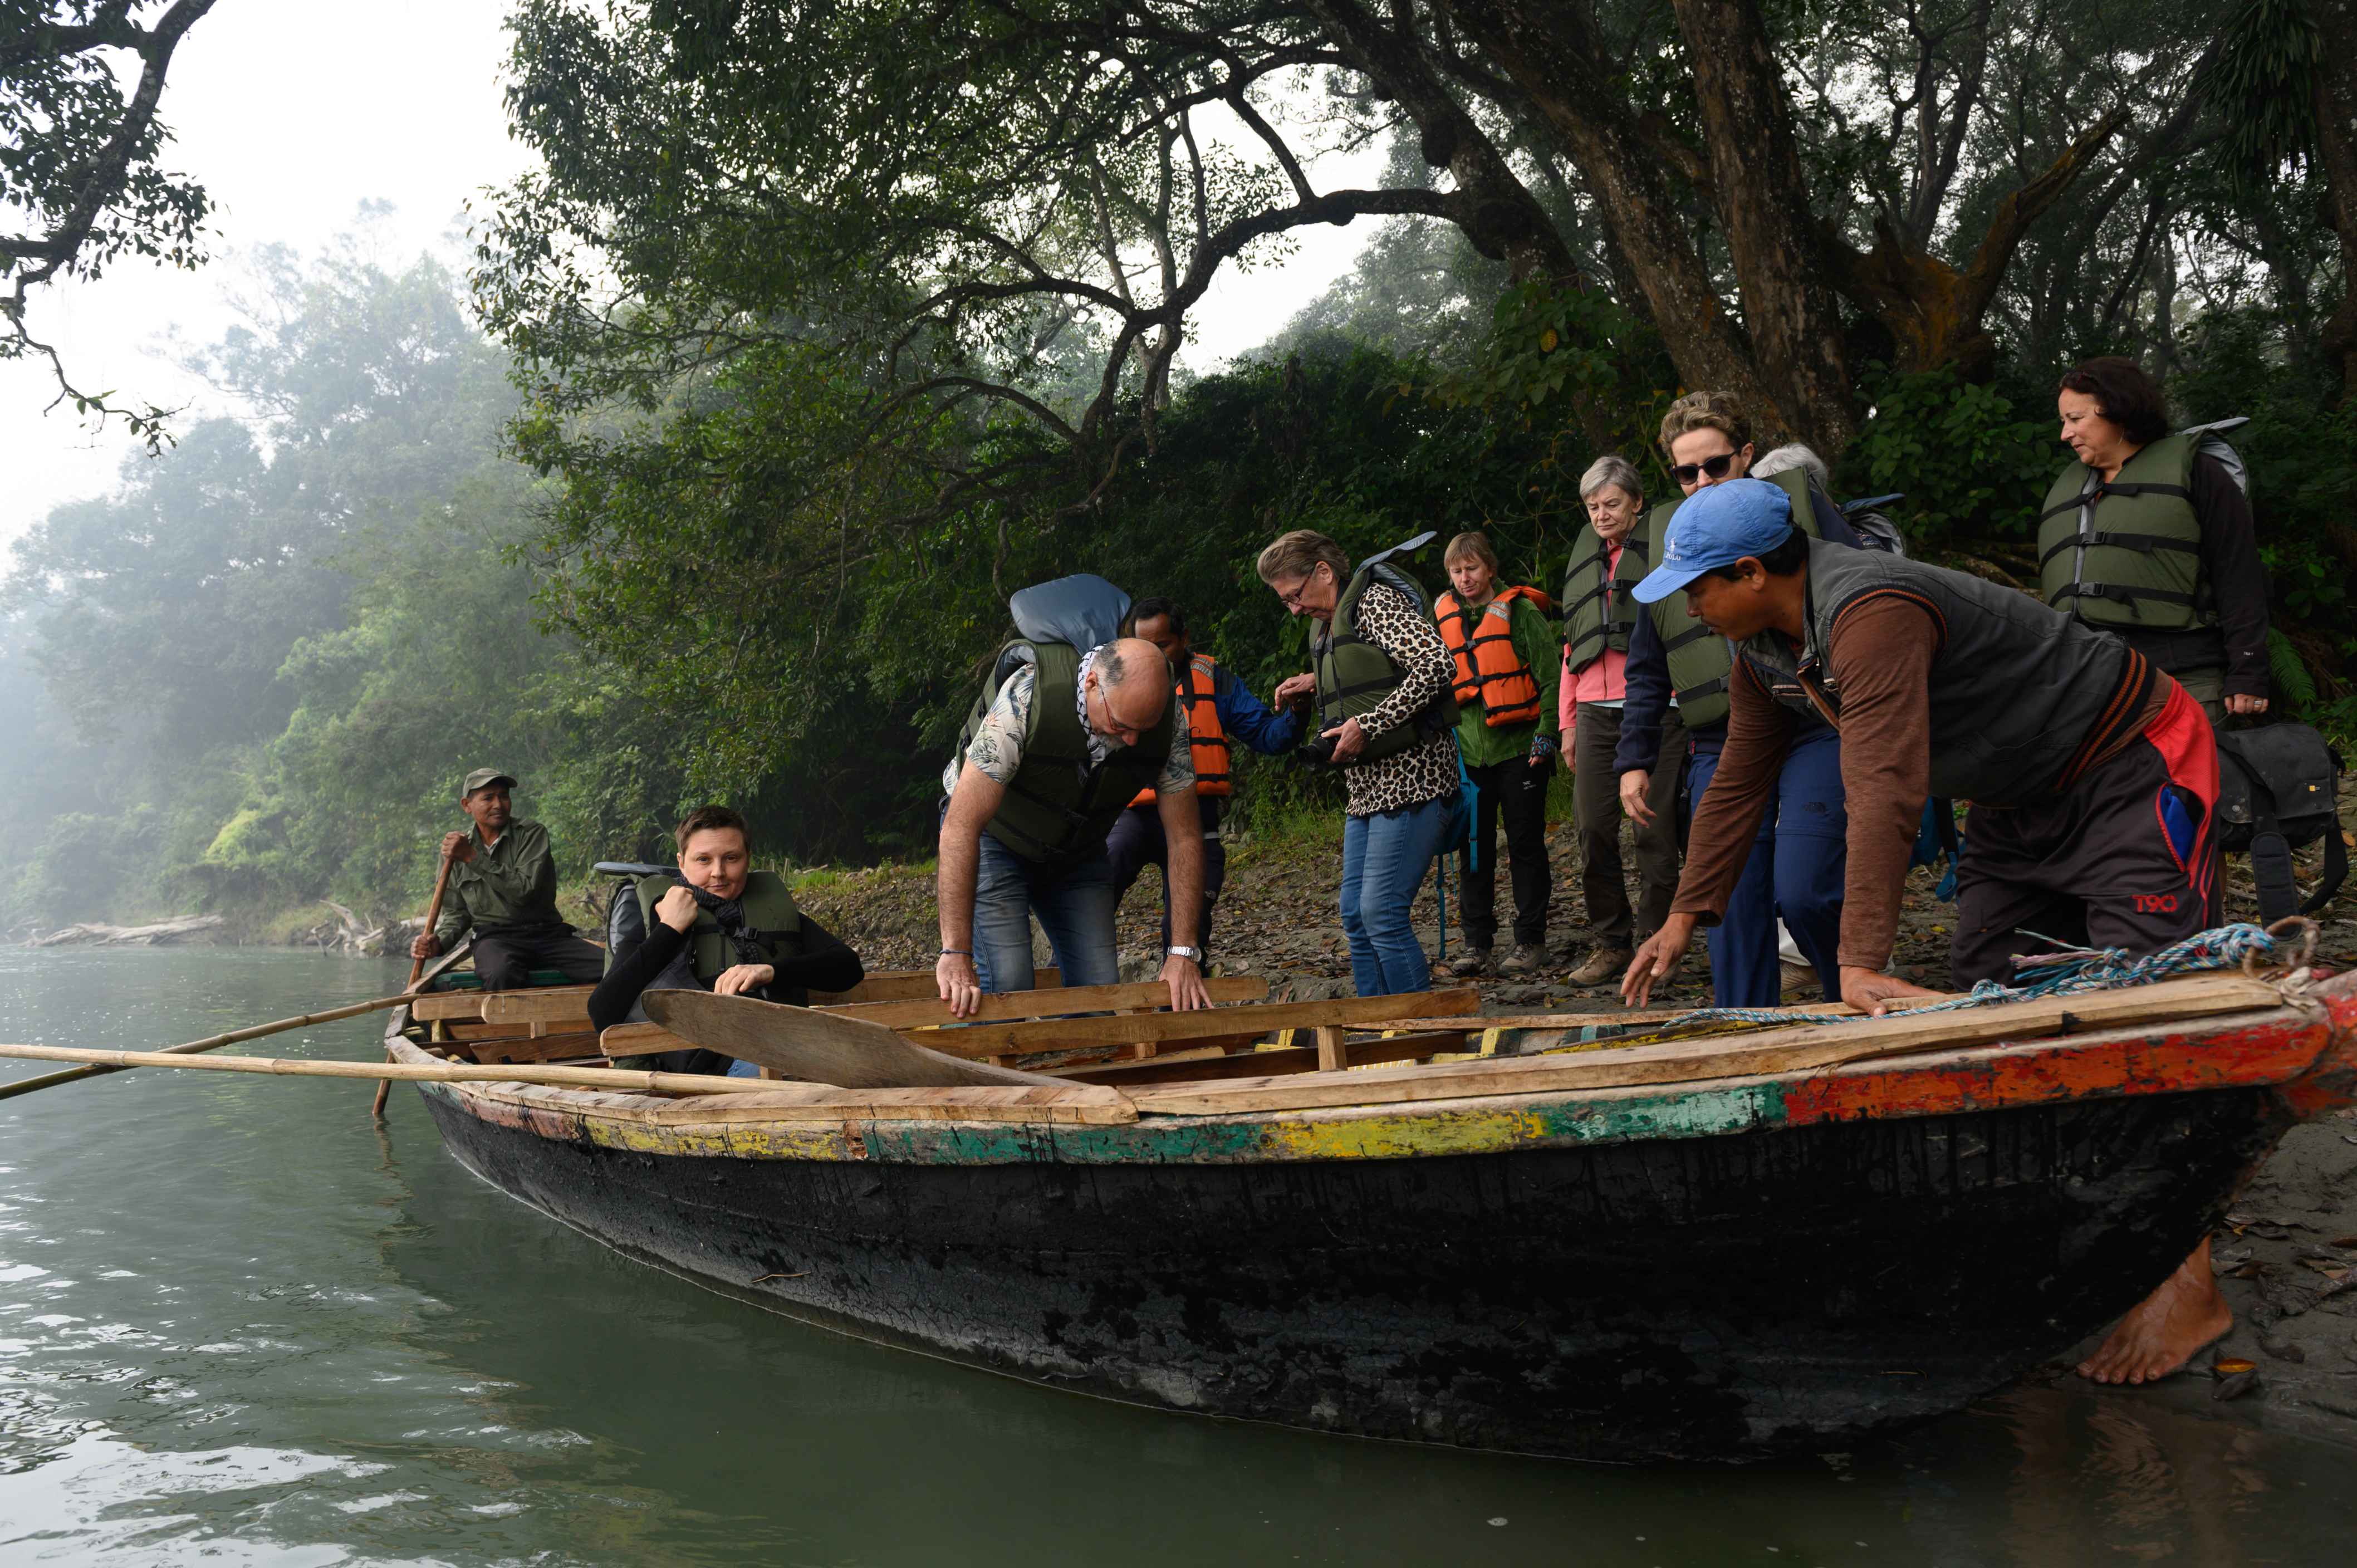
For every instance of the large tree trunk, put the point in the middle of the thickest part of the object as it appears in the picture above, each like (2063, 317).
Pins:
(1765, 206)
(1552, 50)
(2336, 148)
(1934, 312)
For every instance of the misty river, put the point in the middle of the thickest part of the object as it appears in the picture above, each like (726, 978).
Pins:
(242, 1323)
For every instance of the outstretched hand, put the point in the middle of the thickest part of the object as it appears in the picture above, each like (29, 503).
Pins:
(1185, 979)
(960, 986)
(1870, 990)
(1635, 784)
(1656, 960)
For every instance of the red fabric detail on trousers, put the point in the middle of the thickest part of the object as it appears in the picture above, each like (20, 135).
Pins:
(2181, 733)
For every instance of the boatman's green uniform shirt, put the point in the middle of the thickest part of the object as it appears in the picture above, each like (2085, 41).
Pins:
(511, 886)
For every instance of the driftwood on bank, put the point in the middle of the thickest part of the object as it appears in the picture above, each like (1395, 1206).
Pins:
(160, 934)
(355, 935)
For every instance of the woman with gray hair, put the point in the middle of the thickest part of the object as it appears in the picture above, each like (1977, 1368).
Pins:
(1598, 616)
(1386, 715)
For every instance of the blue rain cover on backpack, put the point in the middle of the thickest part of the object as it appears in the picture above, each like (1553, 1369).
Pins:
(1083, 610)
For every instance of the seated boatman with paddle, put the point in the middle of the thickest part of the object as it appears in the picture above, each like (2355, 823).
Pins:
(2092, 775)
(723, 927)
(1057, 743)
(503, 887)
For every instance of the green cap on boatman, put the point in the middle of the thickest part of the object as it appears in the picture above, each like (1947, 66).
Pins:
(482, 779)
(503, 888)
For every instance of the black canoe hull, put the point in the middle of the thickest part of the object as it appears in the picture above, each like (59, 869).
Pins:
(1702, 1298)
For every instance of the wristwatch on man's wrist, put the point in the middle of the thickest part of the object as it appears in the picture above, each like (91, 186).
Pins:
(1192, 955)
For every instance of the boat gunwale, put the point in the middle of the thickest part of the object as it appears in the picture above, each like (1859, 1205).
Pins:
(2277, 1049)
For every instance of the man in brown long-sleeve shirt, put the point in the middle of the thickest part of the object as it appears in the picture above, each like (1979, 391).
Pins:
(2092, 777)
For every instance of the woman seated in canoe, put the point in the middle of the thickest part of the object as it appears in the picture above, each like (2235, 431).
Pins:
(722, 927)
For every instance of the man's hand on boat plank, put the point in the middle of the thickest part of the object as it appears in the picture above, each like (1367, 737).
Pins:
(1184, 976)
(1870, 990)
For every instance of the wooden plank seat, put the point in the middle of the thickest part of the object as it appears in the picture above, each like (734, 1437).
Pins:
(639, 1040)
(1269, 1061)
(467, 980)
(570, 1046)
(908, 985)
(999, 1007)
(1025, 1036)
(538, 1005)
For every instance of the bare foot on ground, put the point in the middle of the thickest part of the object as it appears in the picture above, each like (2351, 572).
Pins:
(2162, 1333)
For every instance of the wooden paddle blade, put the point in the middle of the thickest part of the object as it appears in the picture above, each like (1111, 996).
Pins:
(822, 1047)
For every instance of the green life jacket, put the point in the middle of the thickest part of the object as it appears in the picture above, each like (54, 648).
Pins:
(1355, 677)
(2128, 554)
(1699, 659)
(1594, 621)
(771, 919)
(1058, 806)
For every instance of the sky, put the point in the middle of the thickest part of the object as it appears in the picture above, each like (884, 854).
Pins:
(293, 114)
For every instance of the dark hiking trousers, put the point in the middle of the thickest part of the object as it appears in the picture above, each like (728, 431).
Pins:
(506, 958)
(1136, 841)
(1514, 793)
(1596, 806)
(2124, 858)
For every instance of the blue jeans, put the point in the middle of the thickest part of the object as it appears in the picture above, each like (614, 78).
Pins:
(1074, 904)
(1795, 871)
(1384, 857)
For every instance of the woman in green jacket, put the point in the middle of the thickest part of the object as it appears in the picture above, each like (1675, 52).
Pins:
(1508, 731)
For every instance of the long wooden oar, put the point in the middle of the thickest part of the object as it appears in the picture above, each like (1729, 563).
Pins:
(404, 1072)
(416, 967)
(212, 1042)
(824, 1048)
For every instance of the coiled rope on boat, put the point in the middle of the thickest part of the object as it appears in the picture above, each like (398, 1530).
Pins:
(2287, 945)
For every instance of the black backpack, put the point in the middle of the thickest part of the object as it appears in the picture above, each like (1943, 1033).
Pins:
(2278, 789)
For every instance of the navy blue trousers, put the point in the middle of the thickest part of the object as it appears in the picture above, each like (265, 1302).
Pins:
(1795, 871)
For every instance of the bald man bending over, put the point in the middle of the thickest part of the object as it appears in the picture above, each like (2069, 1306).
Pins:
(1053, 753)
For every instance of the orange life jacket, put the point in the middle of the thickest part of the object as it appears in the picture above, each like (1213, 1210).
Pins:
(1490, 668)
(1203, 732)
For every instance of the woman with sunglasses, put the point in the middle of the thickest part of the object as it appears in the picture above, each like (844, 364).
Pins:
(1597, 619)
(1676, 677)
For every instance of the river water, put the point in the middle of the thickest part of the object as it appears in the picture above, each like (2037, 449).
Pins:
(242, 1324)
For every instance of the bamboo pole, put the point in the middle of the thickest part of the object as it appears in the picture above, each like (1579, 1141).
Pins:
(405, 1072)
(212, 1042)
(416, 967)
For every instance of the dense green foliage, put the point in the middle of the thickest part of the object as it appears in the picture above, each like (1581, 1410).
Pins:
(82, 181)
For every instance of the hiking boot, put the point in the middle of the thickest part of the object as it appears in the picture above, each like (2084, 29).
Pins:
(1603, 964)
(1526, 959)
(1475, 961)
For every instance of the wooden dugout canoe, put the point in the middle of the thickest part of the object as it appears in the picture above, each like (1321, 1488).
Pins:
(1508, 1253)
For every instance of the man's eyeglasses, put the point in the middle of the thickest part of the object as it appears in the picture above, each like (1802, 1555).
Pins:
(1691, 473)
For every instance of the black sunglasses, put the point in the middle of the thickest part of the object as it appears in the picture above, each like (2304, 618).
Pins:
(1687, 473)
